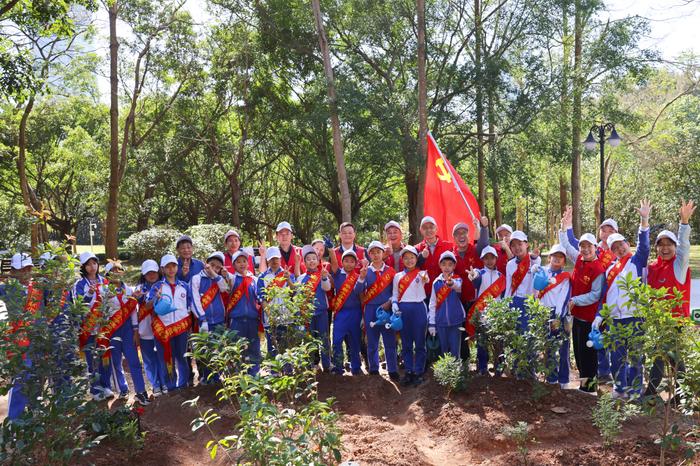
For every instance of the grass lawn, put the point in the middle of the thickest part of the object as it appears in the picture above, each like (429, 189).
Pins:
(97, 249)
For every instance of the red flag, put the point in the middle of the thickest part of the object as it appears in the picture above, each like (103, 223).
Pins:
(447, 197)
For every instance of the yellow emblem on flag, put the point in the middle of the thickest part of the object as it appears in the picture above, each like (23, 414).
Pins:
(442, 172)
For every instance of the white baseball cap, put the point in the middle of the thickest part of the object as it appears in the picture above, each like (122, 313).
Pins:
(168, 259)
(409, 248)
(504, 227)
(149, 265)
(216, 255)
(318, 240)
(459, 226)
(392, 223)
(488, 250)
(589, 238)
(307, 249)
(614, 238)
(375, 244)
(272, 252)
(231, 233)
(21, 260)
(349, 252)
(183, 239)
(519, 235)
(666, 234)
(86, 256)
(283, 226)
(237, 254)
(428, 219)
(557, 248)
(609, 222)
(111, 266)
(448, 255)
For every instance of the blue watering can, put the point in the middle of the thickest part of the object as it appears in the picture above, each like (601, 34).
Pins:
(164, 305)
(595, 340)
(383, 318)
(395, 323)
(541, 280)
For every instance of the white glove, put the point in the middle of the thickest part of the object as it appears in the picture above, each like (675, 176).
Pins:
(204, 327)
(395, 307)
(596, 323)
(535, 268)
(432, 331)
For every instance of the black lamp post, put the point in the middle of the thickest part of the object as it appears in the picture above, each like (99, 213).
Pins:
(590, 144)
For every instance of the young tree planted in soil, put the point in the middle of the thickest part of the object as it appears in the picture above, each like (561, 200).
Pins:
(608, 416)
(450, 372)
(520, 434)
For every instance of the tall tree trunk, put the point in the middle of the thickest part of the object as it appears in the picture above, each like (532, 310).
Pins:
(493, 155)
(479, 103)
(422, 106)
(145, 213)
(564, 107)
(563, 194)
(576, 120)
(345, 202)
(411, 180)
(111, 223)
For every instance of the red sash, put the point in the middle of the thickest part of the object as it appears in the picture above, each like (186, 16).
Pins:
(344, 292)
(442, 294)
(313, 281)
(406, 280)
(383, 280)
(113, 324)
(519, 274)
(145, 310)
(91, 319)
(164, 334)
(557, 281)
(279, 280)
(209, 296)
(606, 257)
(238, 293)
(491, 292)
(616, 269)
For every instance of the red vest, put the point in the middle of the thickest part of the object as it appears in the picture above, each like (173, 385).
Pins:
(390, 262)
(660, 275)
(606, 256)
(359, 250)
(470, 259)
(292, 259)
(585, 273)
(432, 263)
(228, 264)
(502, 259)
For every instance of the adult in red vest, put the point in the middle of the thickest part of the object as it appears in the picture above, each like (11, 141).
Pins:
(347, 243)
(290, 253)
(394, 245)
(671, 271)
(232, 240)
(503, 233)
(586, 289)
(430, 250)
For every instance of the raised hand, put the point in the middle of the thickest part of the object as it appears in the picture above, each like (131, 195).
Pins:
(644, 208)
(425, 252)
(686, 211)
(324, 273)
(328, 242)
(472, 274)
(287, 273)
(484, 221)
(262, 249)
(535, 250)
(297, 256)
(363, 270)
(567, 218)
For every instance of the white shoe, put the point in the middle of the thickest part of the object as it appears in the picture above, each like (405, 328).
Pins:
(157, 392)
(107, 393)
(98, 396)
(615, 395)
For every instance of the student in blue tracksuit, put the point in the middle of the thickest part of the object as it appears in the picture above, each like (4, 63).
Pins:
(124, 339)
(519, 275)
(408, 301)
(347, 308)
(244, 317)
(445, 311)
(556, 297)
(319, 280)
(379, 285)
(90, 290)
(208, 288)
(150, 275)
(627, 371)
(274, 275)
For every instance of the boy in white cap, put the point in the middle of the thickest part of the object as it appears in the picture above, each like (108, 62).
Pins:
(490, 284)
(556, 297)
(626, 371)
(445, 311)
(394, 245)
(242, 309)
(232, 242)
(278, 276)
(318, 284)
(519, 275)
(208, 288)
(119, 335)
(503, 234)
(587, 283)
(377, 294)
(90, 289)
(671, 270)
(430, 249)
(408, 301)
(187, 266)
(347, 309)
(150, 275)
(171, 329)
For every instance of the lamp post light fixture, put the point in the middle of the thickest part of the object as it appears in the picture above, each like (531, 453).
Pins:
(590, 144)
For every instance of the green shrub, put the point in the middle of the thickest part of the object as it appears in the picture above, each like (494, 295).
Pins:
(608, 416)
(520, 434)
(450, 372)
(152, 243)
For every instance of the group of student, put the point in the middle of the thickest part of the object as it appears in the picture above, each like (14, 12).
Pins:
(435, 287)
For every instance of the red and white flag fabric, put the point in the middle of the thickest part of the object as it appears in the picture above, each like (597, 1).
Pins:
(447, 197)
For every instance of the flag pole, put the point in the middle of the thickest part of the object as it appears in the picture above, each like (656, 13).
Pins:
(452, 176)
